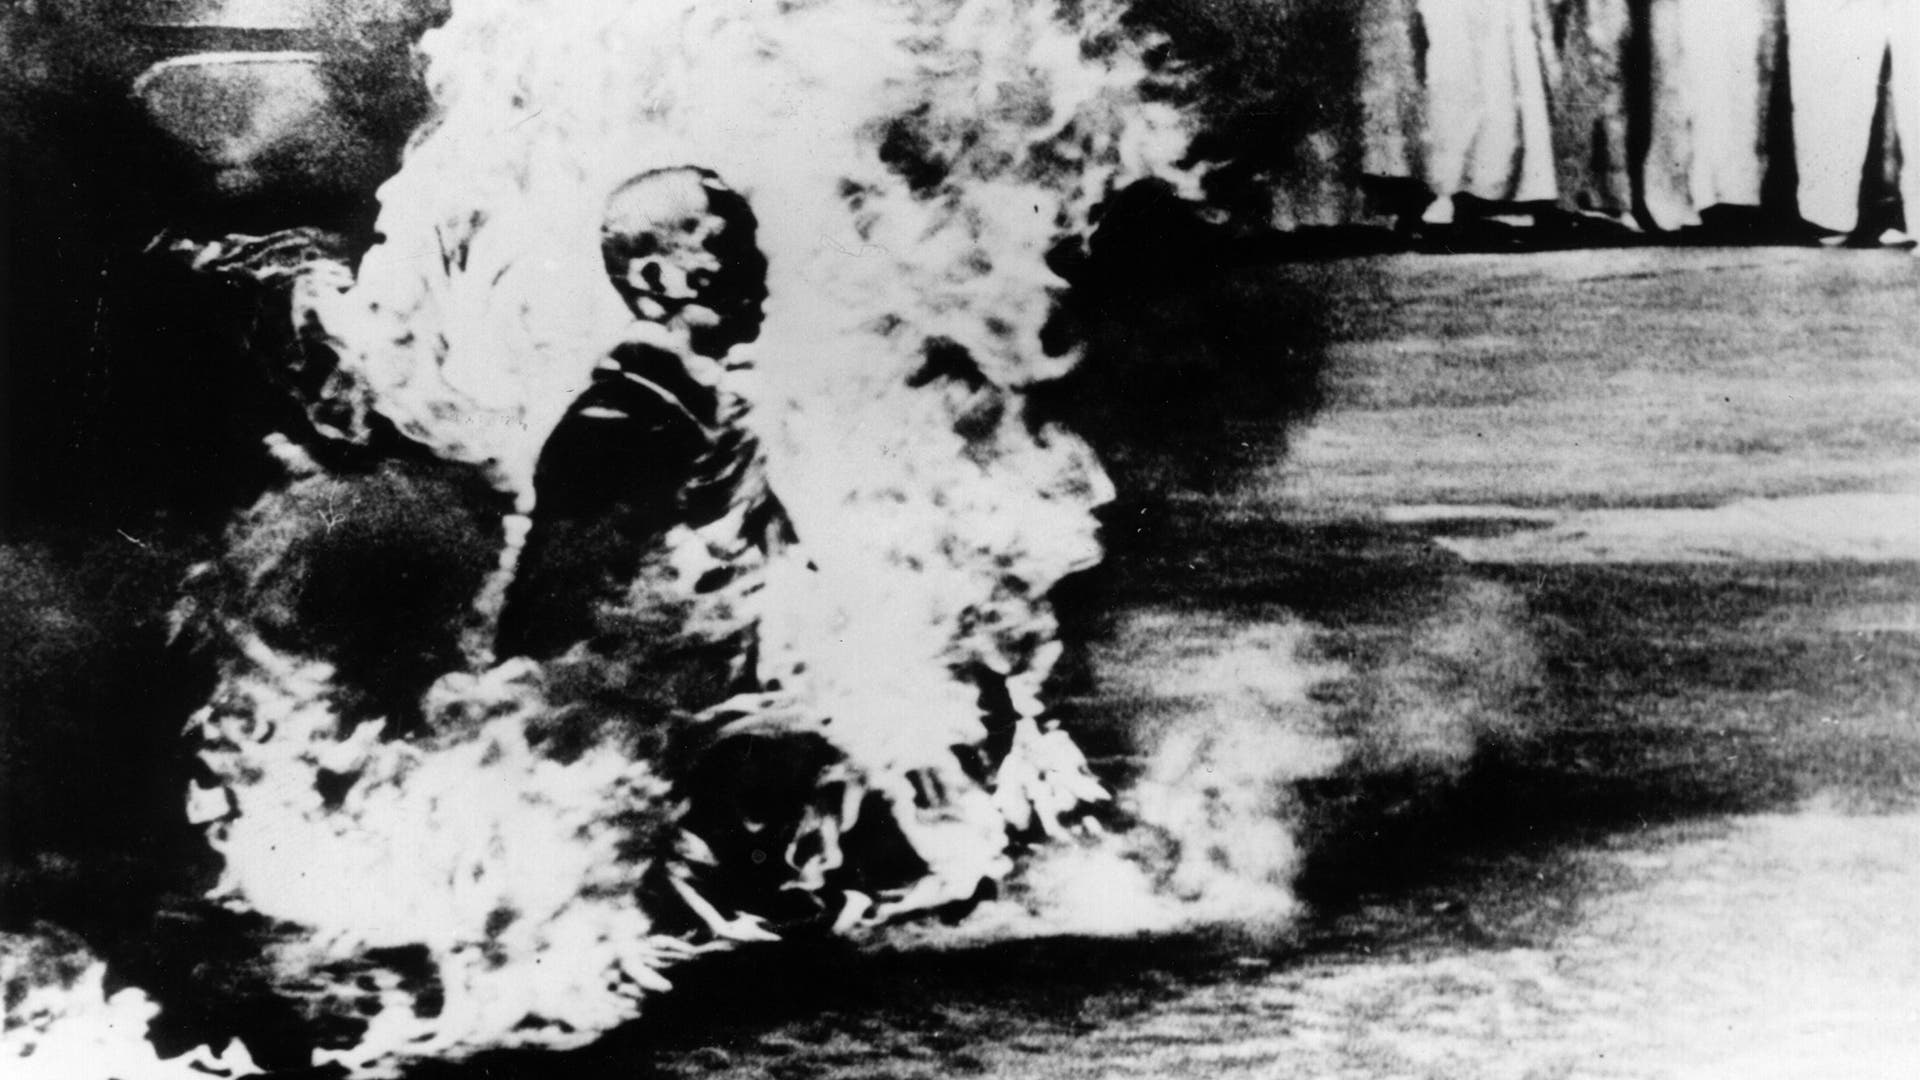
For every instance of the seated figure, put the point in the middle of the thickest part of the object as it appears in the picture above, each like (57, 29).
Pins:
(653, 442)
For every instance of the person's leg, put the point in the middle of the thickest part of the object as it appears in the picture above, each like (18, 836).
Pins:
(1665, 192)
(1488, 133)
(1588, 95)
(1905, 20)
(1835, 48)
(1455, 113)
(1727, 41)
(1526, 173)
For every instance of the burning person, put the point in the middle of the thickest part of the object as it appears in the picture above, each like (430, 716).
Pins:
(679, 247)
(743, 623)
(655, 440)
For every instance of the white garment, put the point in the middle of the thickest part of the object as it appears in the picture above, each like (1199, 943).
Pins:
(1835, 48)
(1712, 62)
(1488, 132)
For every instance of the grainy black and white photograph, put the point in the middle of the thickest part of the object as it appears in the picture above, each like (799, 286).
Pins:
(912, 539)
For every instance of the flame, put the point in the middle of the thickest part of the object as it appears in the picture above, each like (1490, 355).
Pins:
(475, 842)
(1205, 834)
(895, 517)
(61, 1022)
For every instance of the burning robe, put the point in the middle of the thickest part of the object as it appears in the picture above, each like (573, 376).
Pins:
(846, 559)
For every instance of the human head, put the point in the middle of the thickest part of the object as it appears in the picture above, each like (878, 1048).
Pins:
(679, 246)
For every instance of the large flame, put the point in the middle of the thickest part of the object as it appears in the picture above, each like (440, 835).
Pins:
(876, 584)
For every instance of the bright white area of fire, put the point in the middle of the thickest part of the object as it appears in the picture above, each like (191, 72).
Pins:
(62, 1023)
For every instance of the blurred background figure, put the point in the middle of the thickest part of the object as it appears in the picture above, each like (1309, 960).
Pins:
(1588, 94)
(1667, 115)
(1488, 133)
(1711, 66)
(1839, 51)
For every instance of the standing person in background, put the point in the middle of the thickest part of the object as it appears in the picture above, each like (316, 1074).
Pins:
(1711, 66)
(1488, 132)
(1589, 94)
(1836, 49)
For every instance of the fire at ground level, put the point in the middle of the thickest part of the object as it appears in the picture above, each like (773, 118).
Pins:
(1637, 811)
